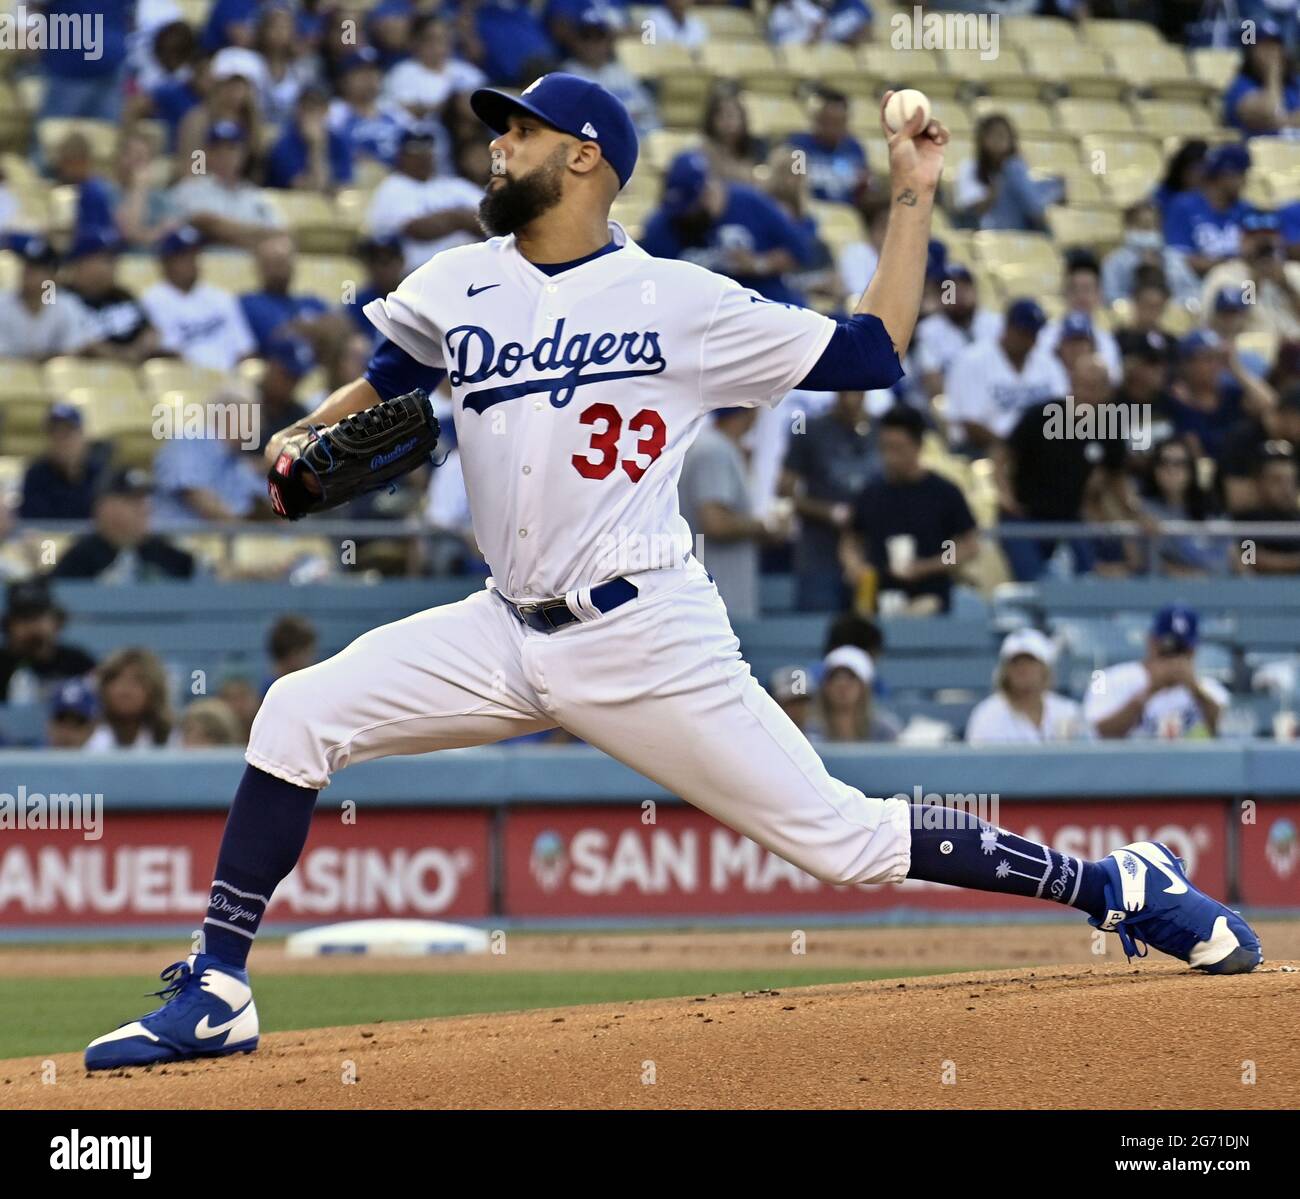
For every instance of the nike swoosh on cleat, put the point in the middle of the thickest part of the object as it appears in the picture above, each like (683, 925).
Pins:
(203, 1030)
(1157, 859)
(473, 291)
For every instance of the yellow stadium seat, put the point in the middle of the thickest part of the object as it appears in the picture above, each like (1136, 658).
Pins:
(1146, 65)
(101, 135)
(138, 272)
(1094, 116)
(774, 116)
(653, 62)
(1216, 67)
(1263, 343)
(62, 374)
(1128, 185)
(1084, 70)
(661, 146)
(12, 470)
(162, 376)
(1004, 69)
(1183, 117)
(754, 64)
(727, 22)
(273, 554)
(110, 415)
(311, 218)
(195, 12)
(818, 62)
(1049, 157)
(34, 208)
(230, 270)
(1030, 117)
(1100, 228)
(325, 275)
(1275, 155)
(1082, 187)
(24, 402)
(631, 212)
(901, 68)
(1109, 32)
(350, 207)
(1106, 152)
(1038, 31)
(10, 270)
(997, 246)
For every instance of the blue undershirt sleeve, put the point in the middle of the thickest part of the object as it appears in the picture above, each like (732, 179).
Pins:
(391, 371)
(858, 357)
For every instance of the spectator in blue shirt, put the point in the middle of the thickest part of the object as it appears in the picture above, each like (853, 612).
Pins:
(1205, 224)
(806, 22)
(1182, 174)
(1265, 96)
(563, 18)
(726, 227)
(836, 161)
(309, 155)
(86, 78)
(371, 127)
(993, 190)
(127, 205)
(388, 30)
(505, 40)
(288, 361)
(61, 483)
(1288, 222)
(274, 312)
(385, 263)
(1212, 391)
(230, 23)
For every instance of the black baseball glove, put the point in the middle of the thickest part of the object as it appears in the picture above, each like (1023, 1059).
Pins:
(318, 469)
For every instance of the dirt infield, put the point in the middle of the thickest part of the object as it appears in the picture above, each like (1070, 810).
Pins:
(1150, 1035)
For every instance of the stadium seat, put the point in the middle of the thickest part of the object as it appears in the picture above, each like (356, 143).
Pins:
(1084, 70)
(727, 22)
(24, 401)
(1182, 117)
(631, 212)
(350, 207)
(315, 223)
(109, 378)
(160, 376)
(661, 146)
(753, 64)
(325, 275)
(101, 135)
(1216, 67)
(138, 272)
(1150, 67)
(1277, 156)
(1080, 117)
(1030, 117)
(1100, 228)
(774, 116)
(230, 270)
(832, 65)
(33, 200)
(901, 68)
(273, 554)
(1110, 33)
(1005, 73)
(1029, 32)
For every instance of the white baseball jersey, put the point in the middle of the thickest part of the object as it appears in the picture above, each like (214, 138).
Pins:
(576, 396)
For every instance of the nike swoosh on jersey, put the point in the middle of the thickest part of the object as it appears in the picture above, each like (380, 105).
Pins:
(203, 1030)
(473, 291)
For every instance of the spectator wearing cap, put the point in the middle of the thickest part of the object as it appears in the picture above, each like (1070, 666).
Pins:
(426, 81)
(1245, 446)
(1170, 490)
(564, 19)
(121, 325)
(848, 708)
(1023, 709)
(274, 311)
(827, 465)
(734, 153)
(1083, 316)
(1144, 245)
(790, 687)
(61, 483)
(121, 549)
(1161, 696)
(76, 84)
(195, 321)
(593, 58)
(128, 207)
(1264, 98)
(430, 213)
(1050, 472)
(993, 190)
(505, 40)
(1278, 501)
(1266, 285)
(220, 203)
(809, 22)
(1151, 298)
(726, 227)
(956, 323)
(1212, 390)
(1227, 317)
(989, 384)
(39, 320)
(135, 710)
(675, 24)
(230, 86)
(716, 499)
(911, 529)
(385, 263)
(215, 477)
(33, 661)
(73, 712)
(1205, 224)
(1147, 359)
(371, 125)
(288, 362)
(309, 155)
(833, 159)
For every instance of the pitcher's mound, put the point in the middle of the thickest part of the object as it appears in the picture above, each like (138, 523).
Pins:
(1154, 1036)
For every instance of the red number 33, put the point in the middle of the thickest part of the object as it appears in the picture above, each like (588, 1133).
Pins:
(604, 441)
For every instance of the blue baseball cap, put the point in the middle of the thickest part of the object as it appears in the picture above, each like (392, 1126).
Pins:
(33, 249)
(1077, 324)
(362, 56)
(76, 697)
(226, 132)
(1229, 299)
(181, 241)
(1026, 314)
(1175, 627)
(1268, 30)
(292, 354)
(572, 105)
(94, 241)
(62, 413)
(1199, 341)
(684, 182)
(1232, 158)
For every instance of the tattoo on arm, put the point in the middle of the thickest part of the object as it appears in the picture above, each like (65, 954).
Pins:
(907, 196)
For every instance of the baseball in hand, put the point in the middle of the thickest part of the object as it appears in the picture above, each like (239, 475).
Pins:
(902, 105)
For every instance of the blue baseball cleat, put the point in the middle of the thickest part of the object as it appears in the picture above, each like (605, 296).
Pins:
(1151, 901)
(207, 1011)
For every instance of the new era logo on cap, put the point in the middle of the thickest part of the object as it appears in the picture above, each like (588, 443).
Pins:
(590, 130)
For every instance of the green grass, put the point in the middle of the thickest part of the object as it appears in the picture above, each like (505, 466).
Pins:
(61, 1015)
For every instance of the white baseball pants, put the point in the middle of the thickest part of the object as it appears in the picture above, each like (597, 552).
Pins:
(658, 683)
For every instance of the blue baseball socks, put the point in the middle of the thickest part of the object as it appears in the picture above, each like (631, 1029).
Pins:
(967, 852)
(265, 832)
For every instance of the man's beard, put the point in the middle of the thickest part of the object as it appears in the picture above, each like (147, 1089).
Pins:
(518, 202)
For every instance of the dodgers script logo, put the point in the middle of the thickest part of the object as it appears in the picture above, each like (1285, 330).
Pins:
(478, 358)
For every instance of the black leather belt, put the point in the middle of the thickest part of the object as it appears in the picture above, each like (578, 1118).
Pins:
(548, 615)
